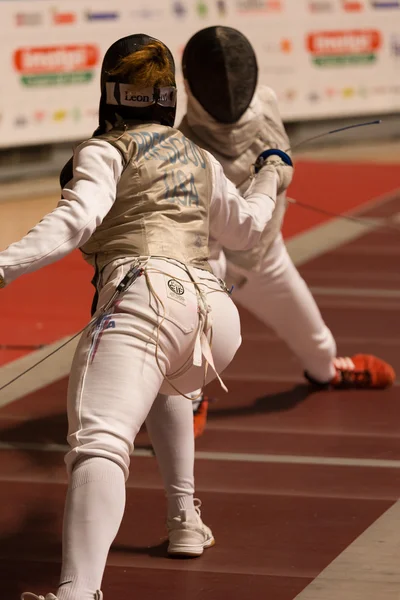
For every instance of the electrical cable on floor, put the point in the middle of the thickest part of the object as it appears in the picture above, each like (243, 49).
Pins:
(387, 223)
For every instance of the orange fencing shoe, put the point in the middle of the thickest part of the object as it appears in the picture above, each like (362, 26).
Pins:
(362, 371)
(200, 411)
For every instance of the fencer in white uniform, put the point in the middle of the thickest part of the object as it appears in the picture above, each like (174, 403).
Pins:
(235, 119)
(235, 122)
(141, 205)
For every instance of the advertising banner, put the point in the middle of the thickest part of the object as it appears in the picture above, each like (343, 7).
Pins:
(323, 58)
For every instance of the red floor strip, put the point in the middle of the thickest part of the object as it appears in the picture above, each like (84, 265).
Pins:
(55, 302)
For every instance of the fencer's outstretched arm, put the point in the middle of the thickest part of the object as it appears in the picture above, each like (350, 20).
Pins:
(86, 201)
(237, 222)
(89, 196)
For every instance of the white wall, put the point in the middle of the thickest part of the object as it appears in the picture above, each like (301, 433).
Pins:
(324, 58)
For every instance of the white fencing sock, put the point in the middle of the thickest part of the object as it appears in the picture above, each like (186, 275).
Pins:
(170, 427)
(93, 513)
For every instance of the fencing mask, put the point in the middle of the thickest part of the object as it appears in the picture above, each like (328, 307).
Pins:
(122, 99)
(220, 66)
(144, 88)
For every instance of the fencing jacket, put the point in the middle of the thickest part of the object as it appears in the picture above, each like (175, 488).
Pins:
(236, 146)
(144, 191)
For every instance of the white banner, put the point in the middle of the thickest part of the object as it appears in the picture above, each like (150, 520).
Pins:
(324, 58)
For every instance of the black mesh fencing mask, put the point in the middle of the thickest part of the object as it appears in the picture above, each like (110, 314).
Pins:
(220, 66)
(157, 104)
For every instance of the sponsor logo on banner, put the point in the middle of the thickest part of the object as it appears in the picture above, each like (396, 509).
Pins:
(147, 13)
(341, 48)
(39, 116)
(353, 5)
(76, 114)
(282, 46)
(59, 115)
(30, 19)
(395, 45)
(179, 8)
(313, 96)
(258, 6)
(385, 3)
(380, 90)
(63, 18)
(56, 65)
(202, 9)
(286, 46)
(290, 95)
(348, 92)
(320, 6)
(221, 8)
(21, 121)
(102, 16)
(281, 64)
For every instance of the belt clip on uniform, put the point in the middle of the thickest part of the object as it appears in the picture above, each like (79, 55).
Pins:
(134, 272)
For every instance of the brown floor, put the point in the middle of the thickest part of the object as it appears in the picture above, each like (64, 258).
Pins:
(277, 525)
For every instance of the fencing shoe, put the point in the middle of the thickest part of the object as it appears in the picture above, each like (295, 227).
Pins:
(200, 412)
(362, 371)
(29, 596)
(188, 535)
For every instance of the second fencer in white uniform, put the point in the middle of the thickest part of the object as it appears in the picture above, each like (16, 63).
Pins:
(235, 119)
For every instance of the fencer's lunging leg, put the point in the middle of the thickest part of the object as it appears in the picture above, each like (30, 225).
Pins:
(279, 297)
(93, 512)
(113, 384)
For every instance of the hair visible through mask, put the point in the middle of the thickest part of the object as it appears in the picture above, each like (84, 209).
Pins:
(148, 67)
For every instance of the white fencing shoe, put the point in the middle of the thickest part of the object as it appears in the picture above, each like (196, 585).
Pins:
(29, 596)
(188, 535)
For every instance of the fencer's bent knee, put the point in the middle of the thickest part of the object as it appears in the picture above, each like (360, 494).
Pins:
(100, 444)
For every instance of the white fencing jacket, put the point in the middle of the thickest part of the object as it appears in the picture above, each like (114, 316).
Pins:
(237, 146)
(91, 193)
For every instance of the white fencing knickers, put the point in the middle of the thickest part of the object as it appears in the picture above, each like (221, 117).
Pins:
(117, 372)
(279, 297)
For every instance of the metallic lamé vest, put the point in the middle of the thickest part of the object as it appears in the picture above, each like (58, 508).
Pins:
(162, 203)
